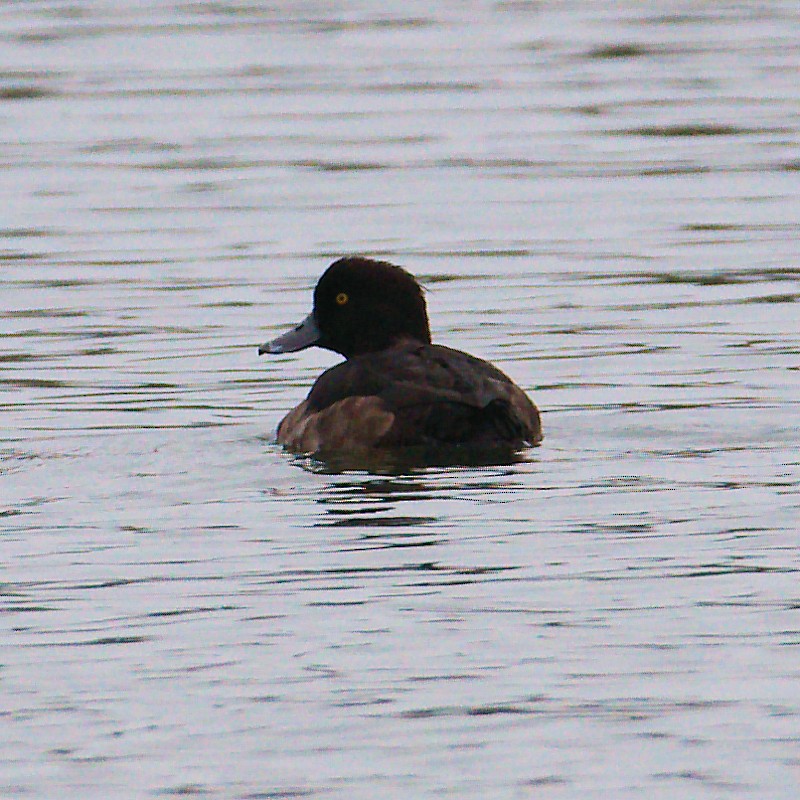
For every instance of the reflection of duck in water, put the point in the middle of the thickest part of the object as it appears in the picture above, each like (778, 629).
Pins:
(395, 389)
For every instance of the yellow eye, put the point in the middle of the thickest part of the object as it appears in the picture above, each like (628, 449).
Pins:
(342, 298)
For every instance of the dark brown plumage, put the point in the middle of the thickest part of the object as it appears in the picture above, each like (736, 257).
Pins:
(396, 389)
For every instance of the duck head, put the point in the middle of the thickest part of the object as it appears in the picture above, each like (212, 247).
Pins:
(360, 306)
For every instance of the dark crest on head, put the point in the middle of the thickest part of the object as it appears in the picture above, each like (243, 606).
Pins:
(362, 305)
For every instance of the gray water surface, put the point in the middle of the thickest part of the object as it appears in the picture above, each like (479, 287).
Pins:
(602, 199)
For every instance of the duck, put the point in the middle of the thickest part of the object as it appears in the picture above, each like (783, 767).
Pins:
(395, 389)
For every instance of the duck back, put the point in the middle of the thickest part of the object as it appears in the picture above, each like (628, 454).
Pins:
(412, 394)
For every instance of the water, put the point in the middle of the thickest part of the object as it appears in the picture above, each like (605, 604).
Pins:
(601, 198)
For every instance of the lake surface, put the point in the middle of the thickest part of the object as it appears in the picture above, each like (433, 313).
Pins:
(601, 198)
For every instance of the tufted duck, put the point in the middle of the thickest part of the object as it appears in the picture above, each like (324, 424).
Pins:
(395, 389)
